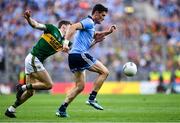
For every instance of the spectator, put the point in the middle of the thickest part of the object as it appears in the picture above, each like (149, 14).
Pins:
(137, 39)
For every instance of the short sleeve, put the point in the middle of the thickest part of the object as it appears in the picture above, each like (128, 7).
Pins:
(87, 23)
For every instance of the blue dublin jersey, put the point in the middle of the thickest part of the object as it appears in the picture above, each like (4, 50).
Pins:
(84, 37)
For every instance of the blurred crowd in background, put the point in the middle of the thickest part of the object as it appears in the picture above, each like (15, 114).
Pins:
(148, 33)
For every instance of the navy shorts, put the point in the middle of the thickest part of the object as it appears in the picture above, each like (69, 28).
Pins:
(80, 62)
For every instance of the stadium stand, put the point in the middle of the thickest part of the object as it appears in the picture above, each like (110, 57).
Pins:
(148, 34)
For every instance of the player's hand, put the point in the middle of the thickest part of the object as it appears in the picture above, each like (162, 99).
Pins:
(65, 49)
(112, 28)
(27, 14)
(65, 46)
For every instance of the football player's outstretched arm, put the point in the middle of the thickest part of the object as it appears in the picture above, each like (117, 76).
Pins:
(101, 35)
(32, 22)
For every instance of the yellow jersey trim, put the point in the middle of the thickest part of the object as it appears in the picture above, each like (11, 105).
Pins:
(52, 41)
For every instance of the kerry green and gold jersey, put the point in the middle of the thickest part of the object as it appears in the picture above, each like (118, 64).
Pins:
(49, 43)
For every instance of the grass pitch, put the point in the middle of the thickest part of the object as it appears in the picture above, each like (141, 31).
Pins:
(118, 108)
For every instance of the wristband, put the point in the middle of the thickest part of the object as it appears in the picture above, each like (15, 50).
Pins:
(66, 42)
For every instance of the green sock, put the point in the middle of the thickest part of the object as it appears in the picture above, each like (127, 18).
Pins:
(16, 104)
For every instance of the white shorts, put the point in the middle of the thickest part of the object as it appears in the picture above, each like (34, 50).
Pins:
(32, 64)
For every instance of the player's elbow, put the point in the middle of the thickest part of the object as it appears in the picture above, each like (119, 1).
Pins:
(76, 26)
(73, 28)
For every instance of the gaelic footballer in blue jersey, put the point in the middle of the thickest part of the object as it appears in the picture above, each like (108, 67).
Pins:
(80, 60)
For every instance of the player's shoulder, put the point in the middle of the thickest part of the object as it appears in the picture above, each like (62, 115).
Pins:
(88, 18)
(50, 25)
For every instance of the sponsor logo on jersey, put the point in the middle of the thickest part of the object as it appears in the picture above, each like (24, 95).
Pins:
(56, 45)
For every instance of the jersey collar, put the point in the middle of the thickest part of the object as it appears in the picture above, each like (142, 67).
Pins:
(91, 18)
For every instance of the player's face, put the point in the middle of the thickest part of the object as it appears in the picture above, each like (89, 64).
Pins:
(100, 17)
(66, 27)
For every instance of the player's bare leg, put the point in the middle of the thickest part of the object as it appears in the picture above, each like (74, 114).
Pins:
(103, 73)
(80, 83)
(10, 112)
(35, 81)
(28, 93)
(44, 81)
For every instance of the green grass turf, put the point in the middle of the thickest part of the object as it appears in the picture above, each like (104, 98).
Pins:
(118, 108)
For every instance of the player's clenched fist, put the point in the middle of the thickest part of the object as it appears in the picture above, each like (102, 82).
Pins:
(112, 28)
(27, 14)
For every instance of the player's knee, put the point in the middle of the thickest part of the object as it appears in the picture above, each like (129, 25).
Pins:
(49, 86)
(105, 72)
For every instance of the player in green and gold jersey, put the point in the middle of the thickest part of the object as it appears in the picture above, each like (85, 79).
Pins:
(37, 78)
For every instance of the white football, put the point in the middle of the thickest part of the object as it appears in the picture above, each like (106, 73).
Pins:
(129, 69)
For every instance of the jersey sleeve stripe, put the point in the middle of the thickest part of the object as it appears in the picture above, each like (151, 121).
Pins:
(82, 25)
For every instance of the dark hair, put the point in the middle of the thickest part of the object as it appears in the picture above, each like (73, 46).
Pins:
(63, 22)
(99, 8)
